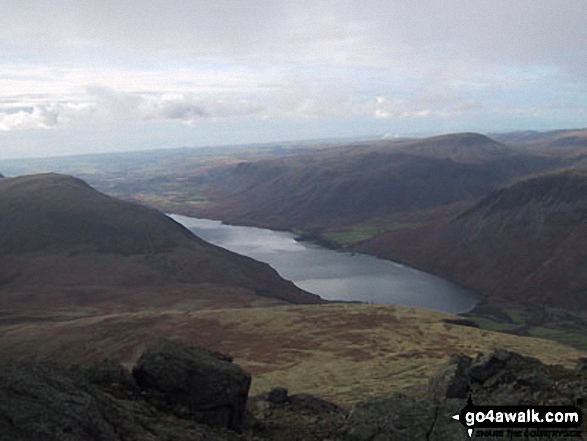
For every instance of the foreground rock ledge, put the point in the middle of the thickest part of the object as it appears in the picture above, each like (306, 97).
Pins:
(174, 388)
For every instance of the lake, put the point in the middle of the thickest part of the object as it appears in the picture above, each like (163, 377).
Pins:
(335, 275)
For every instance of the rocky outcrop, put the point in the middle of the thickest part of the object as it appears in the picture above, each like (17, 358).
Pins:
(175, 387)
(45, 401)
(498, 378)
(195, 383)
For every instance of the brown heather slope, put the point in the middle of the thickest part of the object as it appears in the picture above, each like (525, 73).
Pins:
(341, 352)
(351, 184)
(526, 242)
(63, 244)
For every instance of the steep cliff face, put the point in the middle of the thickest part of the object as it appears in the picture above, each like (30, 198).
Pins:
(526, 242)
(62, 243)
(351, 184)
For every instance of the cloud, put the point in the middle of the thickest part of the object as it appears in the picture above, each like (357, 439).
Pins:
(336, 32)
(37, 117)
(112, 64)
(103, 106)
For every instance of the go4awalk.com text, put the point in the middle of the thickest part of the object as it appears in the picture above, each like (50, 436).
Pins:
(521, 421)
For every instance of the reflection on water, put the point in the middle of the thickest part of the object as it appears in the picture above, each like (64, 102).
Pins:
(335, 275)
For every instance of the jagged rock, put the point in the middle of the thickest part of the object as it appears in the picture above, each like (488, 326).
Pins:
(498, 378)
(400, 418)
(112, 376)
(194, 382)
(485, 366)
(302, 417)
(453, 381)
(43, 401)
(48, 402)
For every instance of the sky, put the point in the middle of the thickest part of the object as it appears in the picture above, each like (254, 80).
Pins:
(81, 76)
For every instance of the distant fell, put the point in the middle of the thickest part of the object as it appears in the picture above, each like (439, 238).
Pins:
(525, 242)
(351, 184)
(462, 147)
(64, 244)
(53, 212)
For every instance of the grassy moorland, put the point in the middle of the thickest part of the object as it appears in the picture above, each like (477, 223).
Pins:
(343, 352)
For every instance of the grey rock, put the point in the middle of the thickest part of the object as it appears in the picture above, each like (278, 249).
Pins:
(486, 366)
(453, 381)
(277, 395)
(401, 418)
(49, 402)
(194, 382)
(44, 401)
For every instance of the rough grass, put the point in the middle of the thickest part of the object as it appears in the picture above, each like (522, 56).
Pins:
(561, 330)
(575, 339)
(359, 233)
(343, 352)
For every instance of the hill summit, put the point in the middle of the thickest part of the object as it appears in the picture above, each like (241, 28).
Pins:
(64, 244)
(54, 212)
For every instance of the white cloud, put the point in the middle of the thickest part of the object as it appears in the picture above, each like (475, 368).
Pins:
(93, 64)
(102, 106)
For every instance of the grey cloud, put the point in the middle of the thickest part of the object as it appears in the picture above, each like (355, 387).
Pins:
(101, 106)
(338, 32)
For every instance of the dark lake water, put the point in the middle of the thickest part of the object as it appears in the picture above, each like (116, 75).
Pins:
(335, 275)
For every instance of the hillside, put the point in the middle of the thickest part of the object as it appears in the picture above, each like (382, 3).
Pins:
(161, 398)
(63, 244)
(341, 352)
(526, 242)
(353, 184)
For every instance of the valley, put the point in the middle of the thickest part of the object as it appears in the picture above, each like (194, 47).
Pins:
(86, 276)
(438, 204)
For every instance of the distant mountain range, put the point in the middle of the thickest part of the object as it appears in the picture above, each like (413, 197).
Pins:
(502, 215)
(63, 244)
(506, 219)
(341, 186)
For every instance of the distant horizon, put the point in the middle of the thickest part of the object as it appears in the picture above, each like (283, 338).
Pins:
(290, 142)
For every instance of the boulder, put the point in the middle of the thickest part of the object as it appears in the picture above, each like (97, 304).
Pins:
(193, 382)
(277, 395)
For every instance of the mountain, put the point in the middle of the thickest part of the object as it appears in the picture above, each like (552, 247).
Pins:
(562, 143)
(525, 242)
(63, 244)
(351, 184)
(460, 147)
